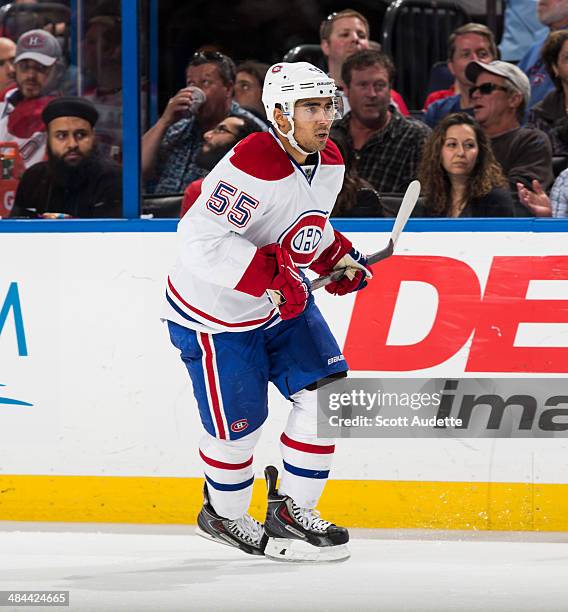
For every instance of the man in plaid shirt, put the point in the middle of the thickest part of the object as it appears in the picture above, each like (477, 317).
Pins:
(386, 145)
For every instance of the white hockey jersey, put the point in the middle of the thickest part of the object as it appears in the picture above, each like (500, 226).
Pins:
(21, 124)
(256, 195)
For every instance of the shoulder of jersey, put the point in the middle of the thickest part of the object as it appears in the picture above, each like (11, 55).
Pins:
(331, 155)
(260, 156)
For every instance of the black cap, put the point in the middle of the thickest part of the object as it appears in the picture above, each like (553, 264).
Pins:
(70, 106)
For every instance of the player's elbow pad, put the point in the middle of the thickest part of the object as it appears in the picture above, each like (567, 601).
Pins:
(260, 272)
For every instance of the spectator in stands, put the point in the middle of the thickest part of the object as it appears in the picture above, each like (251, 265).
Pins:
(103, 71)
(521, 28)
(550, 114)
(459, 174)
(217, 142)
(470, 42)
(170, 146)
(248, 86)
(540, 204)
(386, 145)
(500, 96)
(38, 69)
(554, 15)
(357, 197)
(75, 180)
(341, 35)
(7, 69)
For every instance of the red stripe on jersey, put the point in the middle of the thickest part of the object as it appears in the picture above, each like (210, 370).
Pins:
(213, 319)
(213, 392)
(222, 465)
(307, 448)
(259, 155)
(331, 156)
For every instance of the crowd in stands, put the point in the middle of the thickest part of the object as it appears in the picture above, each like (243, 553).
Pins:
(490, 145)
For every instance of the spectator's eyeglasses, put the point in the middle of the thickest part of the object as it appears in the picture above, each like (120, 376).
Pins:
(222, 129)
(8, 60)
(486, 89)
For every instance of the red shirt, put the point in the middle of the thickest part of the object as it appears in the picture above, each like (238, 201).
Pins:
(439, 95)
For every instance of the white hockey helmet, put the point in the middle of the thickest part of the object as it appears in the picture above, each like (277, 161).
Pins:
(286, 83)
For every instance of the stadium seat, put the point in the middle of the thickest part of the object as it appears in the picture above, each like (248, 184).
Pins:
(306, 53)
(559, 163)
(440, 77)
(415, 34)
(162, 206)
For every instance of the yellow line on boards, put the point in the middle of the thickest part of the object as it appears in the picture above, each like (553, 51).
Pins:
(352, 503)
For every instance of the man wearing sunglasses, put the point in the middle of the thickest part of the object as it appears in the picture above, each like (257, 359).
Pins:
(500, 96)
(470, 42)
(170, 146)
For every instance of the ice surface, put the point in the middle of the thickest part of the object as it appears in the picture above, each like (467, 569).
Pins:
(171, 569)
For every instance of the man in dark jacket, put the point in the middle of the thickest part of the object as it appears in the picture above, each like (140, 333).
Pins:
(76, 180)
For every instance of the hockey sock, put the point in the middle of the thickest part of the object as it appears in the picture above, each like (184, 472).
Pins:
(307, 458)
(229, 472)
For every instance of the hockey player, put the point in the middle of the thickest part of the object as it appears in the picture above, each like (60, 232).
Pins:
(262, 218)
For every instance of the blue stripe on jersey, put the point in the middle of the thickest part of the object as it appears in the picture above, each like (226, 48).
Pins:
(180, 312)
(188, 318)
(321, 474)
(230, 487)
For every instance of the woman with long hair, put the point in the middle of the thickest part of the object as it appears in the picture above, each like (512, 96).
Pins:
(459, 174)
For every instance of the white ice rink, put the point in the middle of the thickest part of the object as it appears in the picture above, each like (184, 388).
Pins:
(116, 568)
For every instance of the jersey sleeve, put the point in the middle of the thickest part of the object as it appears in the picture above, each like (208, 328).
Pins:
(213, 245)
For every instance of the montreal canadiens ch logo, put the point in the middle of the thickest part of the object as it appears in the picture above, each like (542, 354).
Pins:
(306, 240)
(302, 238)
(277, 68)
(239, 425)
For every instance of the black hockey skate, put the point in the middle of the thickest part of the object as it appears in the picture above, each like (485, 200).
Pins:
(244, 533)
(299, 534)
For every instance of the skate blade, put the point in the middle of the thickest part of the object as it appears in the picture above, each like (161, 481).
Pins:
(208, 536)
(297, 551)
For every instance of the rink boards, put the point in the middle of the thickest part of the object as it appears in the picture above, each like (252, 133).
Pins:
(98, 423)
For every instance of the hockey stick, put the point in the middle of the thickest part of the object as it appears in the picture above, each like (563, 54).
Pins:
(407, 206)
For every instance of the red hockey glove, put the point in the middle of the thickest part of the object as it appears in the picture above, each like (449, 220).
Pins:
(290, 284)
(341, 254)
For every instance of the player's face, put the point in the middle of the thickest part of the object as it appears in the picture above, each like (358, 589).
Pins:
(248, 91)
(561, 65)
(348, 35)
(224, 133)
(71, 139)
(460, 150)
(552, 12)
(469, 48)
(312, 121)
(208, 78)
(32, 78)
(369, 93)
(489, 108)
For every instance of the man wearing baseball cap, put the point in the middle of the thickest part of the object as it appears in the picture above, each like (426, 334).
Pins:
(38, 65)
(500, 96)
(76, 180)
